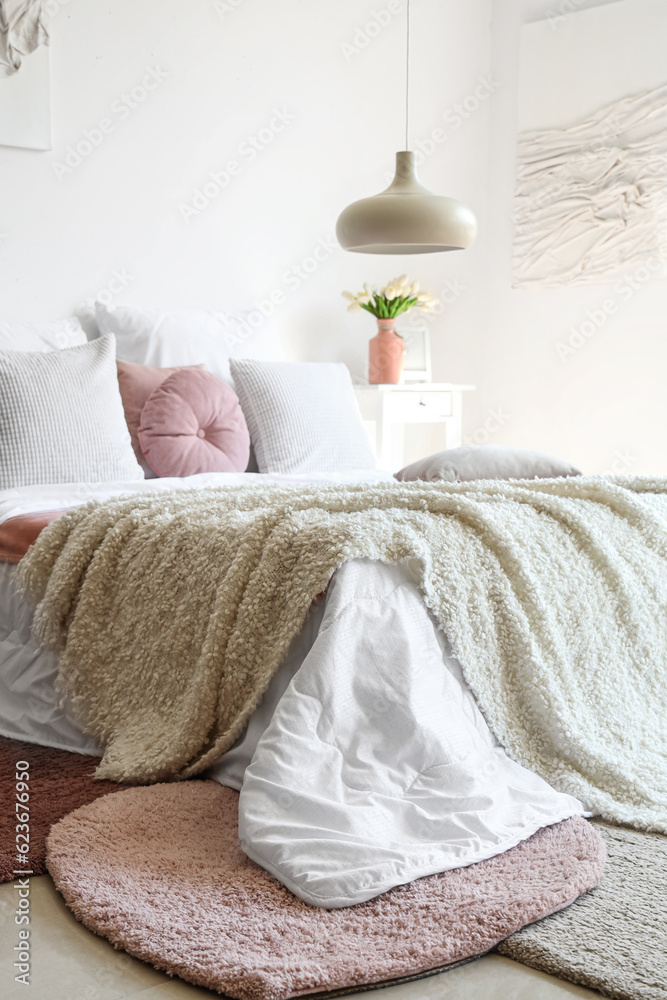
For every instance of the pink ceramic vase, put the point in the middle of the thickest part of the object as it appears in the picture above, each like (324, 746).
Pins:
(385, 355)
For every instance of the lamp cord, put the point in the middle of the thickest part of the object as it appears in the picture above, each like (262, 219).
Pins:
(407, 71)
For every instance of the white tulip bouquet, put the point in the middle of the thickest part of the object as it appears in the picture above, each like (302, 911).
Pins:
(395, 298)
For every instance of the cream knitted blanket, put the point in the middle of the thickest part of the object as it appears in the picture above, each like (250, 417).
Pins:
(171, 613)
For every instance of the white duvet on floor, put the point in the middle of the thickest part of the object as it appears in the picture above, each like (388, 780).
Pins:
(376, 766)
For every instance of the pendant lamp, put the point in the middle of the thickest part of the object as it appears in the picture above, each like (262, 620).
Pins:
(406, 217)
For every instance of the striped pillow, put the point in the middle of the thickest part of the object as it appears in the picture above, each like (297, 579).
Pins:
(302, 417)
(61, 417)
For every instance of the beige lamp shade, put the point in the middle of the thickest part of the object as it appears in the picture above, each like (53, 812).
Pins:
(406, 218)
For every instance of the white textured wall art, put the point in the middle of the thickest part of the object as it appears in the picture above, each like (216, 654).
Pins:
(591, 199)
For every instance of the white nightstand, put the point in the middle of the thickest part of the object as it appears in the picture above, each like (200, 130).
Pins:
(386, 409)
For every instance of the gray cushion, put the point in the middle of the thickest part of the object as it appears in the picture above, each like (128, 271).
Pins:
(486, 461)
(61, 417)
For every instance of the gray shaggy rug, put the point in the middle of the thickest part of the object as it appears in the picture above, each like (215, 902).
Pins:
(614, 938)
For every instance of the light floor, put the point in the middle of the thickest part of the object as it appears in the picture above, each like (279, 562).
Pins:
(70, 963)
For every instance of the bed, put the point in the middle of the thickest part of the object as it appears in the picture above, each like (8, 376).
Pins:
(453, 797)
(432, 708)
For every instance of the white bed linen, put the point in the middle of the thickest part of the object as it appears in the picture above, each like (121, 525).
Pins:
(29, 706)
(366, 765)
(30, 709)
(376, 766)
(30, 499)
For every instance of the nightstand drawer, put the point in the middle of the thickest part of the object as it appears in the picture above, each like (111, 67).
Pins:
(417, 407)
(431, 411)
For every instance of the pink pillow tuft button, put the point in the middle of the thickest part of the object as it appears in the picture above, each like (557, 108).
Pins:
(201, 433)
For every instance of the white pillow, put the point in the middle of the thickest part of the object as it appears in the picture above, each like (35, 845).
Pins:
(302, 417)
(486, 461)
(41, 336)
(184, 337)
(61, 418)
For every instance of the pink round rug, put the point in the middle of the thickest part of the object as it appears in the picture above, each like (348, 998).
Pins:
(159, 872)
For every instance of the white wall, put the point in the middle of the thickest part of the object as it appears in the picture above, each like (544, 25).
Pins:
(228, 69)
(331, 98)
(604, 406)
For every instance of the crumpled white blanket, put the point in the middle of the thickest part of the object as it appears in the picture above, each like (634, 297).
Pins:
(22, 29)
(367, 764)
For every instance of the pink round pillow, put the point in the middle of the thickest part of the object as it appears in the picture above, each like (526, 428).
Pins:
(193, 423)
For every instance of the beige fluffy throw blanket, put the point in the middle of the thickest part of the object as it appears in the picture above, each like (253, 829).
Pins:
(171, 613)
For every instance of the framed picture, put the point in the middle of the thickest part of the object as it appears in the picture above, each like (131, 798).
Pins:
(417, 360)
(25, 105)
